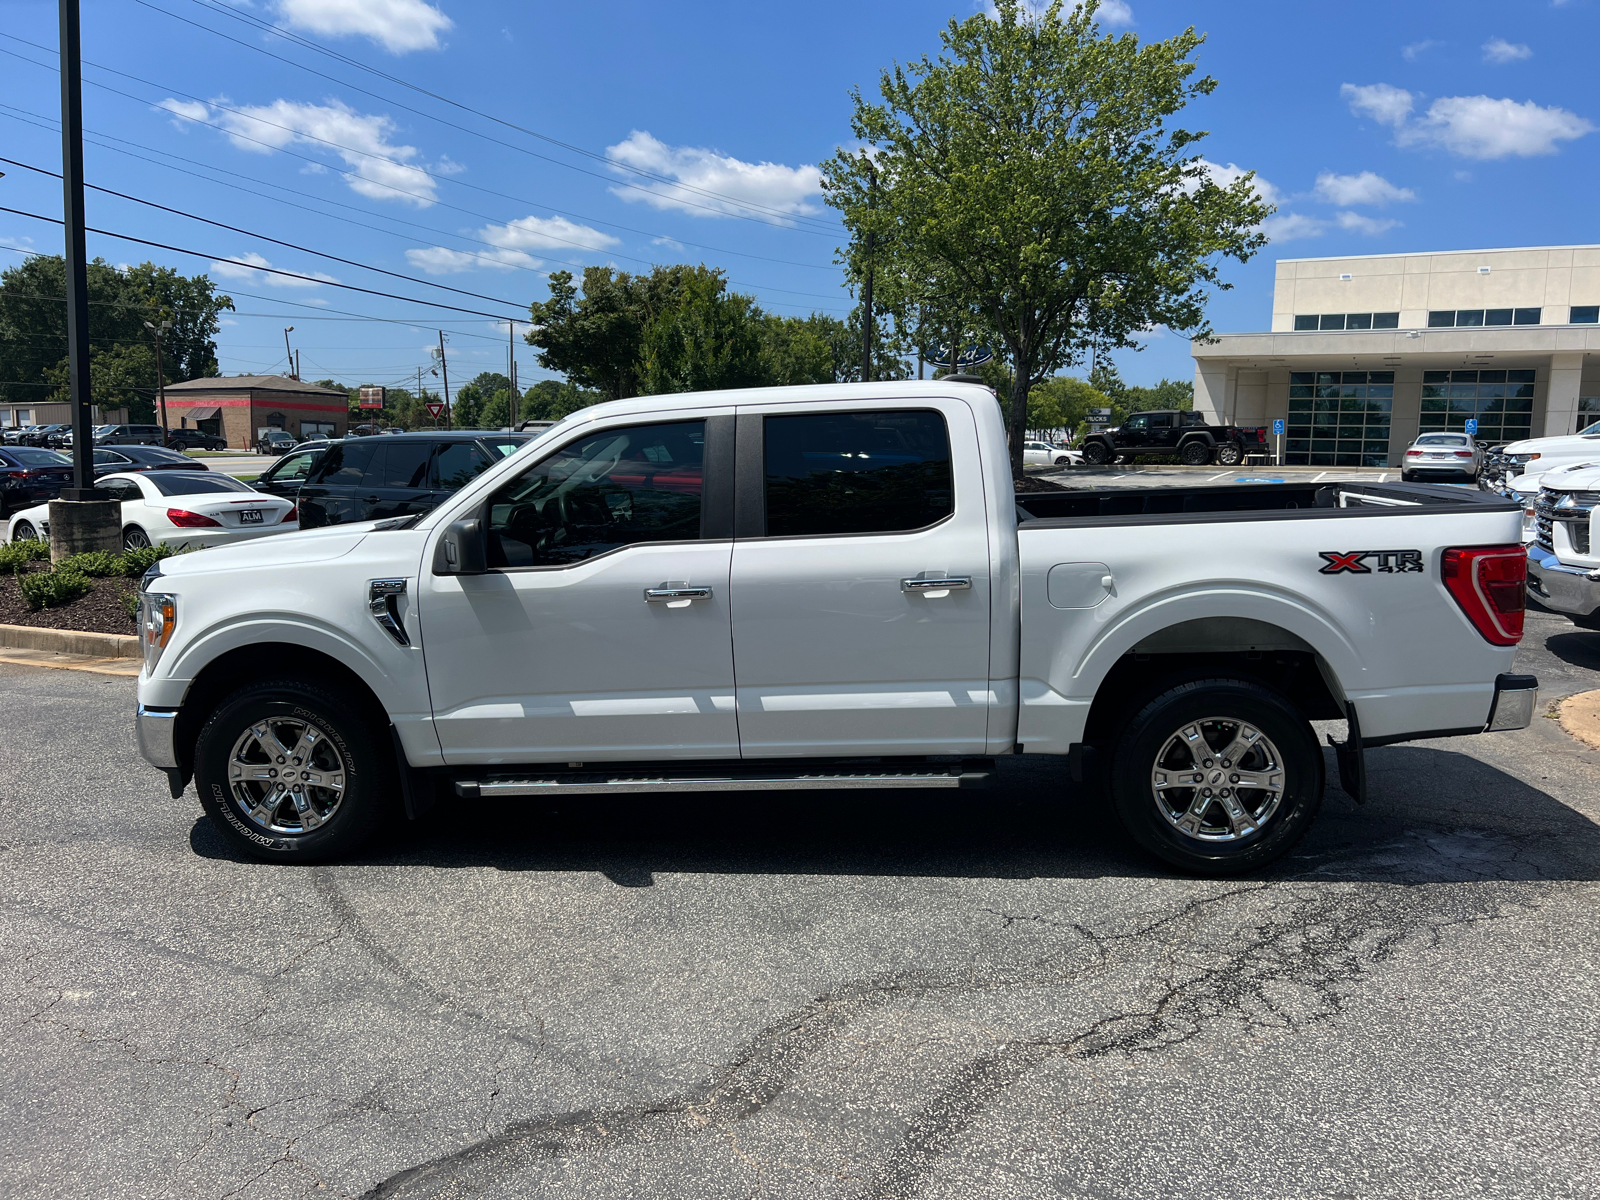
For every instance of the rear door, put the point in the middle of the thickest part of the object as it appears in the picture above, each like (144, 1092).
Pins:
(455, 464)
(402, 480)
(861, 581)
(338, 490)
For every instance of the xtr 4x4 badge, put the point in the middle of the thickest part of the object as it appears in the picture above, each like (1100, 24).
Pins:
(1390, 562)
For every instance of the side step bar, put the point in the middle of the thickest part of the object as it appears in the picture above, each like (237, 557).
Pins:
(601, 783)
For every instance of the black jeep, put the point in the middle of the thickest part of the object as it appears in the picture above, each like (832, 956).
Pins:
(1175, 432)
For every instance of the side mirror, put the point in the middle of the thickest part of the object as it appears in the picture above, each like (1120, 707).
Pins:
(462, 549)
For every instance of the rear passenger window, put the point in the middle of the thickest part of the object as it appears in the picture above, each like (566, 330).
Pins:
(857, 472)
(346, 465)
(457, 464)
(640, 483)
(406, 464)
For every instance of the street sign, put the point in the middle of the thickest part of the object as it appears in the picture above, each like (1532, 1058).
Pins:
(1472, 425)
(435, 408)
(373, 397)
(1277, 427)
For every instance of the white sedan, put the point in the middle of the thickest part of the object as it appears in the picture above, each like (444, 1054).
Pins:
(190, 509)
(1043, 454)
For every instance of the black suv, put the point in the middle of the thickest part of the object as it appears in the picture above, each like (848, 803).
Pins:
(374, 478)
(1173, 431)
(194, 439)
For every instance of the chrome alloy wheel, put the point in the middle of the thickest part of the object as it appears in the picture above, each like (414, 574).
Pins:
(1218, 780)
(286, 775)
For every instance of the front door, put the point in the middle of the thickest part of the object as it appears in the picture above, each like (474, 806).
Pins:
(601, 632)
(861, 582)
(400, 476)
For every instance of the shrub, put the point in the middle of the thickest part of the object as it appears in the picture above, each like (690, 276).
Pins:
(97, 564)
(14, 554)
(47, 589)
(130, 605)
(136, 562)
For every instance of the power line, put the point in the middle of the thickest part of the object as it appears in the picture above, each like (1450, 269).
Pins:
(349, 287)
(317, 47)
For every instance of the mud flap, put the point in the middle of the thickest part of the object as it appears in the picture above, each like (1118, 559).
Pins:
(1351, 757)
(417, 790)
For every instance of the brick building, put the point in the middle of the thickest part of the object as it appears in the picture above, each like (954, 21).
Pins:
(236, 407)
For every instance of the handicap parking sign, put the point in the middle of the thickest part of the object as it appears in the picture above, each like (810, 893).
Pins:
(1277, 427)
(1472, 425)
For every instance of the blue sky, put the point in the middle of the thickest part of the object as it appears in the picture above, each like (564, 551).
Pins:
(690, 131)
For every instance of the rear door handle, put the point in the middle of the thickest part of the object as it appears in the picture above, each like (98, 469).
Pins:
(667, 595)
(954, 583)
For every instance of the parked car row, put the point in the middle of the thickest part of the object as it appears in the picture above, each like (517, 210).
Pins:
(176, 507)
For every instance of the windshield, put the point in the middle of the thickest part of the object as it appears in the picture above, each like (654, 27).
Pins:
(505, 446)
(104, 428)
(1592, 431)
(29, 457)
(193, 483)
(1442, 439)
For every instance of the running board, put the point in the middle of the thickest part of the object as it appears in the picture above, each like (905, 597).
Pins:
(599, 783)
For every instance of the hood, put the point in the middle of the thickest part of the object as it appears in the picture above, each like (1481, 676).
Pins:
(1578, 477)
(278, 550)
(1572, 443)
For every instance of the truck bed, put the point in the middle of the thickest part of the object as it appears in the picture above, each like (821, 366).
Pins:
(1248, 501)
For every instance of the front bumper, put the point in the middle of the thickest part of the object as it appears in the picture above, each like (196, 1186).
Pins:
(155, 729)
(1572, 590)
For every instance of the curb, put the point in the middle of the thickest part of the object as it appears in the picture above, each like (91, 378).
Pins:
(1580, 717)
(69, 641)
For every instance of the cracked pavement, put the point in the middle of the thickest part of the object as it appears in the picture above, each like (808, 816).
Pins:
(856, 996)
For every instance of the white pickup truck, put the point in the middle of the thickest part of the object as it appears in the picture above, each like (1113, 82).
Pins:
(827, 587)
(1564, 559)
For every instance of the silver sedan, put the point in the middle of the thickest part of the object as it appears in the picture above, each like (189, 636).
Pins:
(1454, 455)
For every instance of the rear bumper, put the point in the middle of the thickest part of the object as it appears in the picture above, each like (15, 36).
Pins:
(1571, 590)
(1516, 699)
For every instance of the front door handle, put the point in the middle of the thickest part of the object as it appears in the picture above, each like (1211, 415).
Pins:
(669, 595)
(954, 583)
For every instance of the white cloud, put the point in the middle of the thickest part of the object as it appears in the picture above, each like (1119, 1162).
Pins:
(1365, 188)
(1471, 126)
(378, 168)
(776, 190)
(1410, 53)
(1291, 226)
(1110, 12)
(1356, 223)
(185, 111)
(1498, 50)
(245, 268)
(669, 242)
(396, 25)
(1224, 174)
(1384, 104)
(1480, 127)
(511, 243)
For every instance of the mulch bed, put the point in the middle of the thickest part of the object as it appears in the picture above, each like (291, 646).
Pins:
(1032, 483)
(100, 611)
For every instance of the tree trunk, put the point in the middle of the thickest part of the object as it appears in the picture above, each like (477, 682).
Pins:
(1017, 422)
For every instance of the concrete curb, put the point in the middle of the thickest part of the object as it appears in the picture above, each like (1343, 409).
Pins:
(69, 641)
(1580, 717)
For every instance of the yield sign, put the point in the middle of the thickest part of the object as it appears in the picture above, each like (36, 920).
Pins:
(434, 409)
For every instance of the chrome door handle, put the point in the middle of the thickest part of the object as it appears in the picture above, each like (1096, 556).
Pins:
(667, 595)
(956, 583)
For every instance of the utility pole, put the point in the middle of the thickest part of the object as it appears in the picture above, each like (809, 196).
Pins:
(511, 373)
(288, 329)
(85, 517)
(866, 286)
(445, 367)
(157, 332)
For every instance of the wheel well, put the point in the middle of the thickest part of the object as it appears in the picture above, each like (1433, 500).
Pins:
(1137, 677)
(228, 672)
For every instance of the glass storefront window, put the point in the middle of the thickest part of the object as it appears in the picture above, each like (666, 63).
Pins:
(1500, 401)
(1339, 418)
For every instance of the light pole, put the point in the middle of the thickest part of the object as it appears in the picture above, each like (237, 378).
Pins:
(288, 329)
(157, 331)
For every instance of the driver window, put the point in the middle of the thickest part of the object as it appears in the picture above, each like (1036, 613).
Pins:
(639, 483)
(1139, 421)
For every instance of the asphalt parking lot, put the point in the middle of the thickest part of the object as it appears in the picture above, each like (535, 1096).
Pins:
(940, 995)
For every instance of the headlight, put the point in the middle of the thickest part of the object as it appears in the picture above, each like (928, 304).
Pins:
(158, 616)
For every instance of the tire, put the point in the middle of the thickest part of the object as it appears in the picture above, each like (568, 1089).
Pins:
(134, 538)
(1406, 477)
(25, 532)
(254, 735)
(1063, 461)
(1160, 814)
(1095, 454)
(1230, 455)
(1194, 453)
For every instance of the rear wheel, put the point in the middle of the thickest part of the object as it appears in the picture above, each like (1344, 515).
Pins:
(291, 772)
(1230, 455)
(1095, 454)
(1194, 453)
(25, 532)
(134, 538)
(1217, 776)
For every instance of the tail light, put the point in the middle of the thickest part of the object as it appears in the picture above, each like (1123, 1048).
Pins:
(185, 519)
(292, 515)
(1490, 585)
(1463, 453)
(1413, 453)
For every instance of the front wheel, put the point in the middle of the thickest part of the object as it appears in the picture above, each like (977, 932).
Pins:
(1217, 776)
(1062, 460)
(1230, 455)
(290, 772)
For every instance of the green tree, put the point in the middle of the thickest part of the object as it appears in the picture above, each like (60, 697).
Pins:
(1169, 393)
(467, 406)
(552, 399)
(1063, 402)
(706, 339)
(1028, 176)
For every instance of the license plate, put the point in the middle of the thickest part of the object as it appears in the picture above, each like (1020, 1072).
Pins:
(250, 516)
